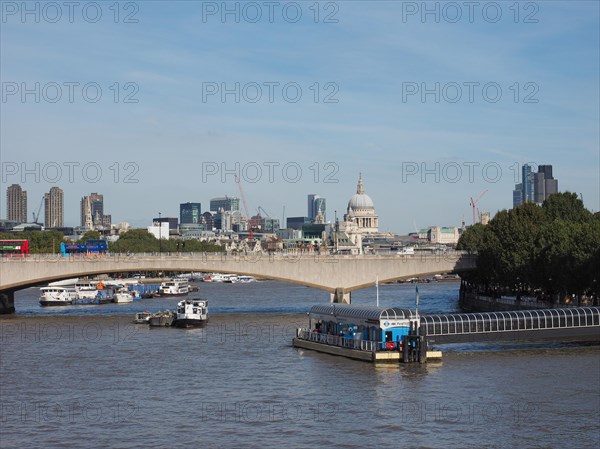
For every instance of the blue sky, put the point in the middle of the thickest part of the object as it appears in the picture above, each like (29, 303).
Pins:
(371, 57)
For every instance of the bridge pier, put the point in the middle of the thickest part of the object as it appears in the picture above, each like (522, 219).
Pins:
(7, 303)
(340, 295)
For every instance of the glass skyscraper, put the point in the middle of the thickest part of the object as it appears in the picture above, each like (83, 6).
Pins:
(316, 204)
(528, 182)
(189, 213)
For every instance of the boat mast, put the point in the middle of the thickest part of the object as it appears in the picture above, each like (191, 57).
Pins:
(417, 308)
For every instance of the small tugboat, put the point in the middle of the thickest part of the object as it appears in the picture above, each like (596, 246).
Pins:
(142, 317)
(191, 313)
(161, 319)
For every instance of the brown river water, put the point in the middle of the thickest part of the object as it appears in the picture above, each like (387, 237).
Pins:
(85, 376)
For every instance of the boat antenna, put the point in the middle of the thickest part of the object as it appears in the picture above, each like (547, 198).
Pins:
(377, 289)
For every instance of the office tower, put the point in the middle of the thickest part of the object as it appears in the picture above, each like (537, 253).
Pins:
(546, 170)
(226, 203)
(311, 206)
(545, 184)
(208, 220)
(316, 204)
(16, 204)
(518, 195)
(189, 213)
(297, 222)
(528, 184)
(54, 208)
(539, 193)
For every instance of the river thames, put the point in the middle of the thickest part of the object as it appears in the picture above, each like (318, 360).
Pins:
(86, 376)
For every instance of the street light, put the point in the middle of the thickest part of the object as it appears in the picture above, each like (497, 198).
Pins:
(159, 234)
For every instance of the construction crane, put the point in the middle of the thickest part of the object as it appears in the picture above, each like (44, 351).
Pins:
(264, 211)
(250, 230)
(473, 204)
(36, 216)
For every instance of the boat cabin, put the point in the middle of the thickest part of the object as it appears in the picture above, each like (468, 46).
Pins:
(383, 326)
(192, 309)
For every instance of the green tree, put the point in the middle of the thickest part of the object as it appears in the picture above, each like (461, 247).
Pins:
(140, 240)
(513, 252)
(472, 238)
(559, 257)
(89, 235)
(555, 247)
(135, 241)
(566, 206)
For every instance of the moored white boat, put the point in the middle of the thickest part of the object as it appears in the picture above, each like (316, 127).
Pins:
(191, 313)
(57, 296)
(175, 287)
(230, 278)
(123, 295)
(246, 279)
(87, 289)
(217, 277)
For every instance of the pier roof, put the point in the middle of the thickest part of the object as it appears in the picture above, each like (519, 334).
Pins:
(369, 313)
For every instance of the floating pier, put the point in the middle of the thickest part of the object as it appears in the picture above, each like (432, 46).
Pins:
(391, 334)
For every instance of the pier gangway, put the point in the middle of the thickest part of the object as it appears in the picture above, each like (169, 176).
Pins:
(575, 323)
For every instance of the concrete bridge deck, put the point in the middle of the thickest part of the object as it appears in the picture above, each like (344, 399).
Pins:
(337, 274)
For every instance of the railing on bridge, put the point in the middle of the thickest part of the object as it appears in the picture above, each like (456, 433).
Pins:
(233, 255)
(522, 320)
(336, 340)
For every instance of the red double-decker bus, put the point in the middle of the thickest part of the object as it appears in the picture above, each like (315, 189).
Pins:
(14, 247)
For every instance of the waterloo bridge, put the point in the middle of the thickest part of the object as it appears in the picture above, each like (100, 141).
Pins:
(337, 274)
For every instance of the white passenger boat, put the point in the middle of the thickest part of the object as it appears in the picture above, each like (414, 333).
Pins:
(216, 277)
(191, 313)
(87, 289)
(175, 287)
(230, 278)
(246, 279)
(123, 295)
(57, 296)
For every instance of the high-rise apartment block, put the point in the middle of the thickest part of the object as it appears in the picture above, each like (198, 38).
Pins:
(16, 204)
(54, 208)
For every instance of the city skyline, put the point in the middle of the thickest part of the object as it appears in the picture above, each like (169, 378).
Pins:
(423, 155)
(93, 204)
